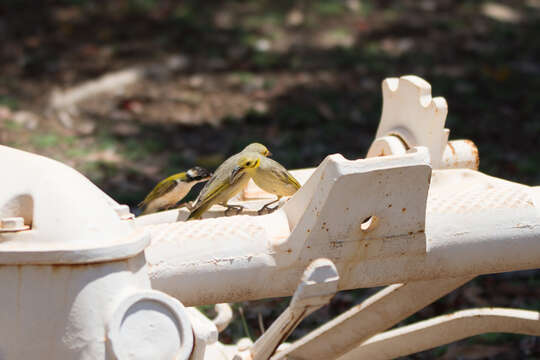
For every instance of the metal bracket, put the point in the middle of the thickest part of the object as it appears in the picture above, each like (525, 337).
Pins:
(318, 285)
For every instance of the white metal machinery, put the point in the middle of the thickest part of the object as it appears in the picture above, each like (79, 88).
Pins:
(85, 280)
(416, 213)
(73, 273)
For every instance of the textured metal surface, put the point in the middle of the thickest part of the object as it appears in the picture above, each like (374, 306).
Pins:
(467, 191)
(239, 227)
(460, 237)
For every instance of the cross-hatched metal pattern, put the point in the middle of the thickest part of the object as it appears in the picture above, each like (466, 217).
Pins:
(479, 197)
(243, 228)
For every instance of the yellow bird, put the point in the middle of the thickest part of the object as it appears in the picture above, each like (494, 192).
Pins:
(228, 180)
(173, 189)
(256, 148)
(272, 177)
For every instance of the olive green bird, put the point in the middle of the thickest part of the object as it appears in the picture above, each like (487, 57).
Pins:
(256, 148)
(272, 177)
(173, 189)
(229, 179)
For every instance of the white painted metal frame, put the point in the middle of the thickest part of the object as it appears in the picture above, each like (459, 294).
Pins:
(415, 216)
(444, 329)
(377, 313)
(470, 224)
(317, 287)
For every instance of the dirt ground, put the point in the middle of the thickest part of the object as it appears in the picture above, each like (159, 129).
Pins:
(302, 77)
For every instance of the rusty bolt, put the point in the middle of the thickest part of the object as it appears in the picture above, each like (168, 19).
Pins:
(12, 224)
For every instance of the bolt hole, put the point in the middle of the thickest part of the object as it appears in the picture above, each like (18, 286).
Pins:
(369, 223)
(400, 138)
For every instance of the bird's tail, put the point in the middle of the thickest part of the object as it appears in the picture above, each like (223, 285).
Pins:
(148, 209)
(143, 206)
(197, 212)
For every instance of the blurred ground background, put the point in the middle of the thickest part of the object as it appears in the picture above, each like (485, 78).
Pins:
(303, 77)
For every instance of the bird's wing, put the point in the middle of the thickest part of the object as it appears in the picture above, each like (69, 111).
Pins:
(204, 202)
(206, 188)
(213, 190)
(161, 189)
(286, 177)
(211, 184)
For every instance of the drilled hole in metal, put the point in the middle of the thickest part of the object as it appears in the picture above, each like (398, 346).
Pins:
(400, 138)
(369, 223)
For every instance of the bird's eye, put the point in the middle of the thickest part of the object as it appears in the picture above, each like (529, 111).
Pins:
(248, 163)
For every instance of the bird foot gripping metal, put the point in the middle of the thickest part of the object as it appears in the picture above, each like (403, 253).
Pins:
(415, 215)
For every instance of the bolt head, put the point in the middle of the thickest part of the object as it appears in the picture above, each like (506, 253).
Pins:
(12, 224)
(123, 212)
(244, 344)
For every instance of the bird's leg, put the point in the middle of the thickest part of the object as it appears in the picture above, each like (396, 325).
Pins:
(232, 209)
(266, 210)
(187, 204)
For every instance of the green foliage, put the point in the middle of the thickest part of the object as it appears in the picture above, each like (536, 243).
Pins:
(329, 7)
(439, 351)
(46, 140)
(136, 149)
(265, 59)
(143, 5)
(9, 101)
(255, 21)
(12, 125)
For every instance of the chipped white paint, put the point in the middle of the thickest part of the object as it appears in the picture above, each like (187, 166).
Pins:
(460, 154)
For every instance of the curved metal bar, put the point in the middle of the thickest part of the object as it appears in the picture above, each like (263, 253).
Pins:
(445, 329)
(377, 313)
(224, 316)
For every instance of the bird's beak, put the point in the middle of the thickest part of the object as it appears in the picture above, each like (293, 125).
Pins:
(204, 178)
(204, 175)
(269, 154)
(199, 174)
(235, 173)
